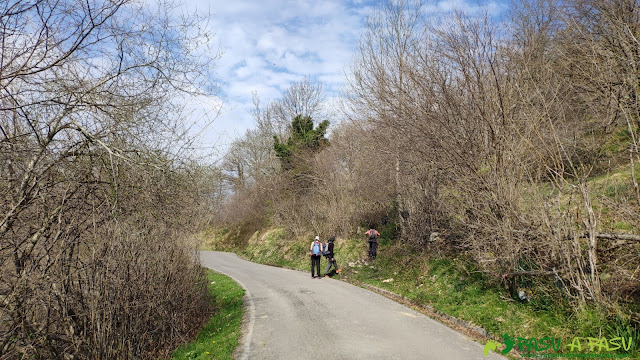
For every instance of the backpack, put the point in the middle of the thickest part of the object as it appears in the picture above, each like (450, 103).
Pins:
(372, 234)
(325, 249)
(316, 248)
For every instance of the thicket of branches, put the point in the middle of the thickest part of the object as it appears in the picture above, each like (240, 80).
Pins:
(94, 199)
(501, 126)
(486, 132)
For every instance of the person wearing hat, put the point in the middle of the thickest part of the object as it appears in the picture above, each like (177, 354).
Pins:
(316, 254)
(330, 256)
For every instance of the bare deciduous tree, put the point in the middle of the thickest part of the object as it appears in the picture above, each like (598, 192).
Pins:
(488, 115)
(94, 200)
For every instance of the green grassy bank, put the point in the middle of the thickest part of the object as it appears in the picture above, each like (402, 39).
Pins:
(220, 336)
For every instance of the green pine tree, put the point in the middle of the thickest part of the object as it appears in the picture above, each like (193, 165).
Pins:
(303, 142)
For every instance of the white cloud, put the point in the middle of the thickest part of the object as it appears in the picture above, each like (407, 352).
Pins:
(268, 44)
(470, 7)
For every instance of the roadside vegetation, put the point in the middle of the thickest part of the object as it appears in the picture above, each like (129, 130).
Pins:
(99, 194)
(502, 157)
(221, 334)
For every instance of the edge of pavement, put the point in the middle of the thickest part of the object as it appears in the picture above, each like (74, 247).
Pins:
(248, 318)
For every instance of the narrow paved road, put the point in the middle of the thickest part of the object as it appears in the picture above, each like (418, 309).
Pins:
(291, 316)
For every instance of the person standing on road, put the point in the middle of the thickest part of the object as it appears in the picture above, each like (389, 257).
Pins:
(316, 252)
(331, 258)
(372, 234)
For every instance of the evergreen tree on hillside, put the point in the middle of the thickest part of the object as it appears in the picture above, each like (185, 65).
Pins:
(303, 142)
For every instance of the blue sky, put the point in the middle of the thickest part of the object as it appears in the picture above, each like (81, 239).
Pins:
(268, 44)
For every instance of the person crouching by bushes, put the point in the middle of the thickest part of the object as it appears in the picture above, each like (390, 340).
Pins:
(331, 257)
(316, 252)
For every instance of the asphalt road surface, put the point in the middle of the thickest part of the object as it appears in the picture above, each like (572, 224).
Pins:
(289, 315)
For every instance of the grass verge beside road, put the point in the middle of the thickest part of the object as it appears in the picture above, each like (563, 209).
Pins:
(221, 335)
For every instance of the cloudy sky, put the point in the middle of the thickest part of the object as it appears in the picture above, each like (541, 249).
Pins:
(268, 44)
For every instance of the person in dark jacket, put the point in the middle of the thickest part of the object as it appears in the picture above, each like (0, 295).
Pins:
(372, 235)
(331, 258)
